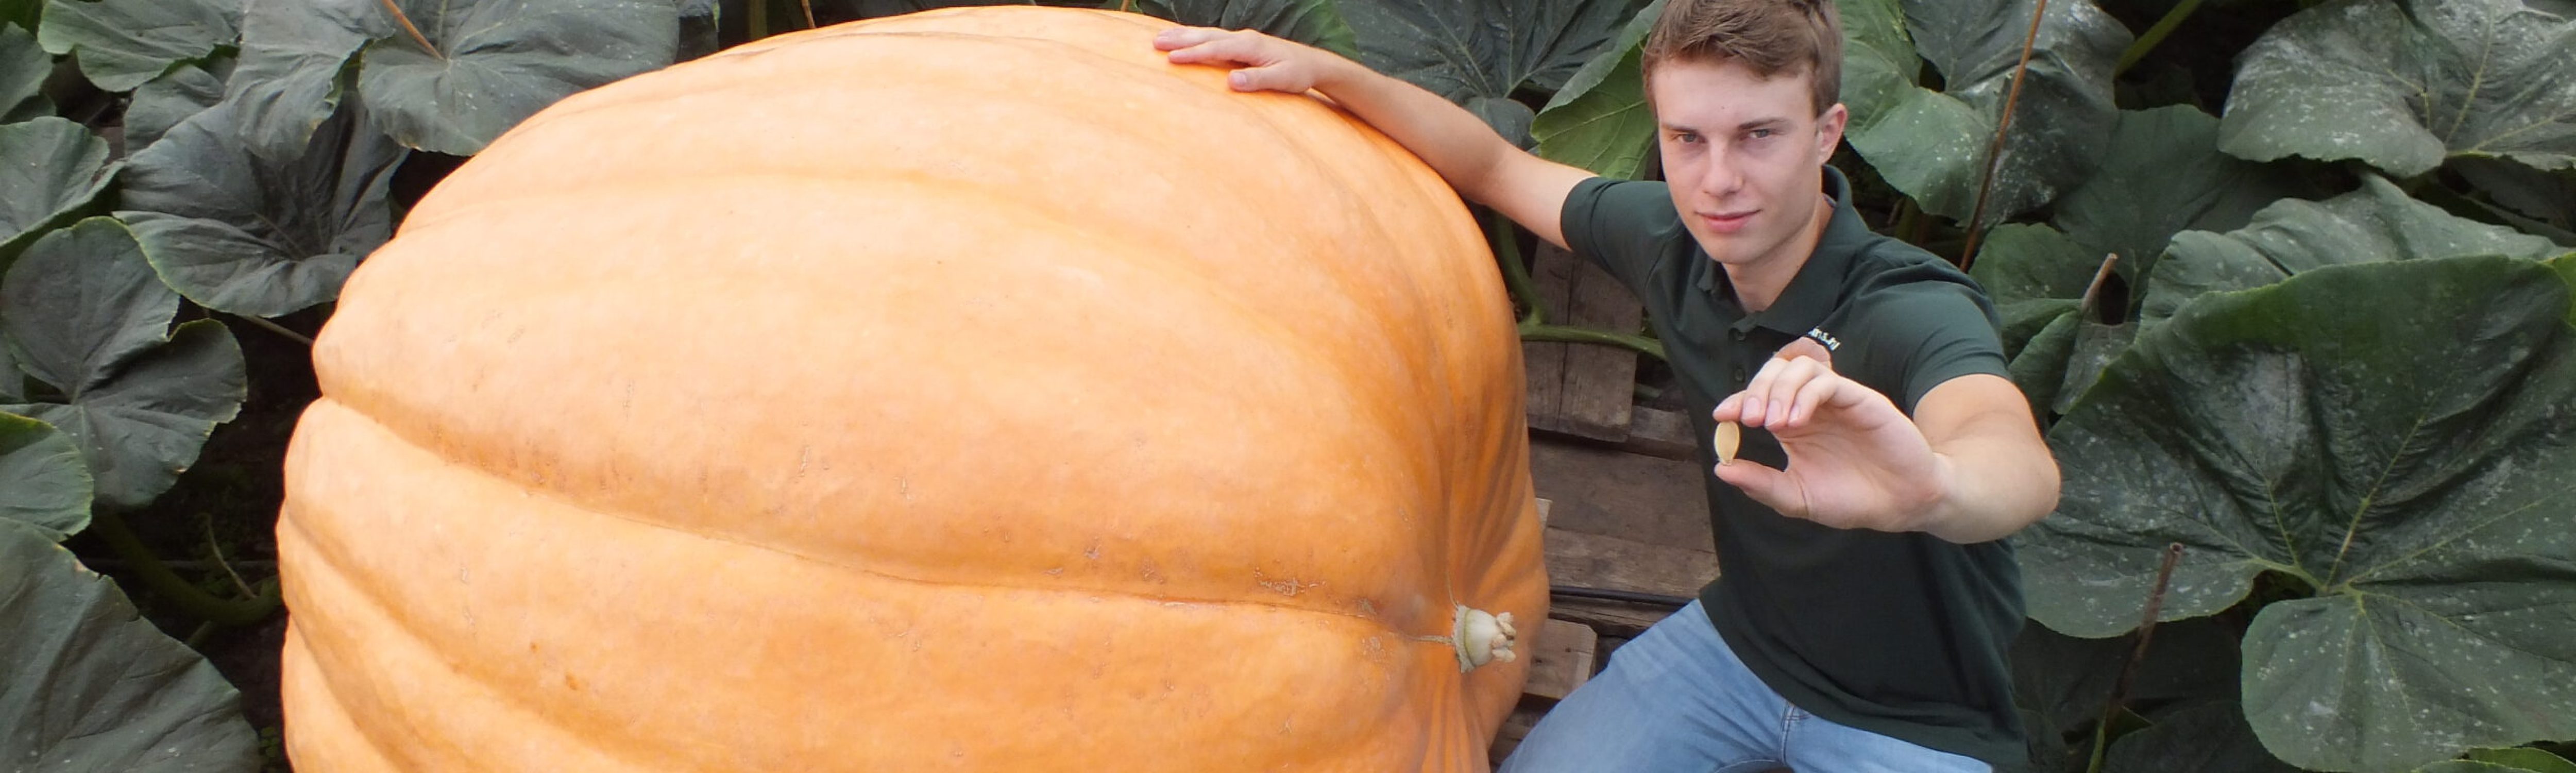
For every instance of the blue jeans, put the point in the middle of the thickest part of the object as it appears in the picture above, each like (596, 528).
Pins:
(1676, 700)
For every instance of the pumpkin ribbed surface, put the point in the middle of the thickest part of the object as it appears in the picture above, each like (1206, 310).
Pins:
(970, 390)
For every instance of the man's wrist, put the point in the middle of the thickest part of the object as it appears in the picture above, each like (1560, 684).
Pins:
(1947, 515)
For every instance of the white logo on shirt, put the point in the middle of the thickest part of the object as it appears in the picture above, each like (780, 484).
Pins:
(1822, 337)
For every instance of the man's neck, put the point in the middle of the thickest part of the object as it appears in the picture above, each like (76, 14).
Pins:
(1759, 283)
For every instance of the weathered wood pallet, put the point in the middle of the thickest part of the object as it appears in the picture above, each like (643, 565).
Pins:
(1582, 390)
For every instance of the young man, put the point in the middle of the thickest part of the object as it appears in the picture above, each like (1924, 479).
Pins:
(1867, 600)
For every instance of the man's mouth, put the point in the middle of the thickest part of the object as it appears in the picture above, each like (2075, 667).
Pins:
(1727, 223)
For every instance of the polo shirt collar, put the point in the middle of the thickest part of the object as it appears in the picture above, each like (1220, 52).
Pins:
(1818, 287)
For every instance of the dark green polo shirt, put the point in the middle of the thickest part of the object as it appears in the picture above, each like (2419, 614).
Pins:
(1900, 634)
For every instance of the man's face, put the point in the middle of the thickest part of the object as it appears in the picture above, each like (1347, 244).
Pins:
(1744, 156)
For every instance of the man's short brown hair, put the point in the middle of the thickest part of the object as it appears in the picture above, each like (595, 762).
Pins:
(1772, 37)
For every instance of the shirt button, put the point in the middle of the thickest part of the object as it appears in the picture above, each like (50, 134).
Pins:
(1738, 333)
(1739, 375)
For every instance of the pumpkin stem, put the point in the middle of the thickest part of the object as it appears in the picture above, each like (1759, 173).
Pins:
(1482, 637)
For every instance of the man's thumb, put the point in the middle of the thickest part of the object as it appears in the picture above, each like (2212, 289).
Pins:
(1764, 484)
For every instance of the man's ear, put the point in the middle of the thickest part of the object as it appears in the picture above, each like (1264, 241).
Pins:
(1829, 129)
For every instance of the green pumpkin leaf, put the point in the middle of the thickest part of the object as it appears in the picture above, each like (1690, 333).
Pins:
(172, 98)
(293, 57)
(2549, 197)
(87, 684)
(496, 62)
(2162, 174)
(242, 232)
(2070, 679)
(120, 44)
(42, 482)
(2038, 278)
(2034, 274)
(1932, 146)
(23, 67)
(79, 308)
(89, 317)
(2469, 766)
(2402, 88)
(1478, 54)
(49, 168)
(1312, 22)
(1600, 121)
(2398, 436)
(2377, 223)
(2205, 737)
(2523, 760)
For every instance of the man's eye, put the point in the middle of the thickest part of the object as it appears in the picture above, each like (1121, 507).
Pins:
(1761, 134)
(1686, 138)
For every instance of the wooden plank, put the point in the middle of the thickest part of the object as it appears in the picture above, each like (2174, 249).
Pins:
(1552, 277)
(1662, 434)
(1603, 491)
(1600, 381)
(1610, 563)
(1610, 618)
(1582, 390)
(1560, 659)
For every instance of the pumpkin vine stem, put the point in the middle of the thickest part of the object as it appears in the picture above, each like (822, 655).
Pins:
(2129, 669)
(1584, 335)
(110, 527)
(407, 26)
(2155, 35)
(1995, 152)
(1516, 276)
(273, 327)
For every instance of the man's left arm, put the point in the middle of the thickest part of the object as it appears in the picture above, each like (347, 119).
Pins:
(1995, 471)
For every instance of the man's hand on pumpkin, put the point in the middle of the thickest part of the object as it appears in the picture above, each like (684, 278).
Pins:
(1854, 460)
(1263, 62)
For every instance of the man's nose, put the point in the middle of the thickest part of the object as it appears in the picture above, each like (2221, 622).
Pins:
(1721, 177)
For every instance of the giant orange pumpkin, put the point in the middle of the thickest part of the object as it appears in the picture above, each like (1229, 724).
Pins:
(971, 390)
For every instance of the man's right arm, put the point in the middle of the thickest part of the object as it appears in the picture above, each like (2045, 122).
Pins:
(1479, 164)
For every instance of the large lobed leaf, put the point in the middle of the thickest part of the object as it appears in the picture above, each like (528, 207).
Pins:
(1600, 121)
(89, 685)
(289, 80)
(2162, 174)
(2403, 87)
(163, 103)
(49, 167)
(1933, 146)
(493, 63)
(1316, 23)
(2207, 737)
(2377, 223)
(2057, 344)
(120, 44)
(89, 318)
(42, 482)
(2398, 436)
(245, 232)
(1478, 53)
(490, 64)
(23, 67)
